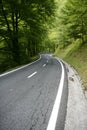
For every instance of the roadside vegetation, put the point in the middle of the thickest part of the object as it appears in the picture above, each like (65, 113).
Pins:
(76, 56)
(72, 36)
(23, 30)
(28, 27)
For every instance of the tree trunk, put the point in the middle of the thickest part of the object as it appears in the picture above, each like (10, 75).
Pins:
(12, 34)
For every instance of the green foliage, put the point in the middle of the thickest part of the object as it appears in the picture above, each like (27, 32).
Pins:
(72, 21)
(23, 27)
(72, 35)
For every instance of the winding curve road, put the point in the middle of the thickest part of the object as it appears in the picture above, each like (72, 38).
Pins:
(34, 97)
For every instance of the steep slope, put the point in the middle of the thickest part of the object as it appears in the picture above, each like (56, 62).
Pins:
(76, 55)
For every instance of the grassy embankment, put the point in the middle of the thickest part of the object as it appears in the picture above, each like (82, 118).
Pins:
(76, 55)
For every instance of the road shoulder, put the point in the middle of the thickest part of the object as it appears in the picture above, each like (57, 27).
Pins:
(76, 117)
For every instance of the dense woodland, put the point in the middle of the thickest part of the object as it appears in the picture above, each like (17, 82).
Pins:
(28, 27)
(23, 28)
(72, 22)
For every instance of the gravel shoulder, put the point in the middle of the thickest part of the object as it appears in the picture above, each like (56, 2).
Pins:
(76, 117)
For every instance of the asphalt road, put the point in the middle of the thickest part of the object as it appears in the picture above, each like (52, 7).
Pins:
(27, 96)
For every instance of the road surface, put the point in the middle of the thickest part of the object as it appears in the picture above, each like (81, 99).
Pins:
(27, 96)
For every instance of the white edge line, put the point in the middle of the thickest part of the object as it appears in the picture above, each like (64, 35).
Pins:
(19, 68)
(32, 74)
(55, 111)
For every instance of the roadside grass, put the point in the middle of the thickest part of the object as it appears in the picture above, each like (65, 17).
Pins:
(76, 55)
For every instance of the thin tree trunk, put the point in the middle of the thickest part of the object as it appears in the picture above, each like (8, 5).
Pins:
(13, 35)
(16, 48)
(6, 20)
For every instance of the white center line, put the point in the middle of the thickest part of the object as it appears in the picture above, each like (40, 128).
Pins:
(44, 65)
(32, 75)
(55, 111)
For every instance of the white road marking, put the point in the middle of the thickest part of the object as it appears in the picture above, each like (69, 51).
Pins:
(55, 111)
(44, 65)
(47, 61)
(32, 74)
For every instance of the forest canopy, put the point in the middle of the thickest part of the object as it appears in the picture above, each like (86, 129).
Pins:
(72, 22)
(28, 27)
(23, 27)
